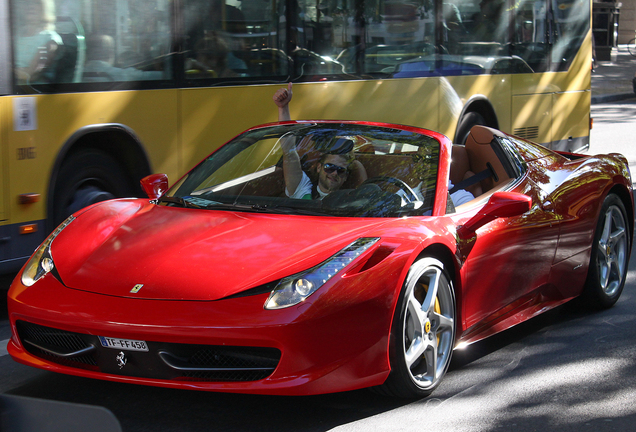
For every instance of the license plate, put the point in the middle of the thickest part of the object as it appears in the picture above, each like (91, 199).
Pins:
(123, 344)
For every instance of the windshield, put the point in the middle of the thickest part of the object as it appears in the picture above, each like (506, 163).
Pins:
(333, 169)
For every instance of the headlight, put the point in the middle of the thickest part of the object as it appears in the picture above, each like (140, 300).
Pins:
(294, 289)
(42, 262)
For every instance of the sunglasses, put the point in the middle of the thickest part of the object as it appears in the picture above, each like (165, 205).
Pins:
(330, 168)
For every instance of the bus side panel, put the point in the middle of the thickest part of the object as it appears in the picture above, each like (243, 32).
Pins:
(531, 117)
(418, 102)
(17, 240)
(571, 102)
(571, 121)
(38, 129)
(56, 118)
(492, 87)
(212, 116)
(553, 108)
(579, 75)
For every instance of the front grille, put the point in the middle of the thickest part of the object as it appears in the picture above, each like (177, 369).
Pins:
(224, 363)
(66, 348)
(168, 361)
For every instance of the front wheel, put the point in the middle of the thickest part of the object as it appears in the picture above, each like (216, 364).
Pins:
(423, 331)
(610, 256)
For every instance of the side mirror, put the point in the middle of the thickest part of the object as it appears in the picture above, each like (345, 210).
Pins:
(500, 204)
(155, 185)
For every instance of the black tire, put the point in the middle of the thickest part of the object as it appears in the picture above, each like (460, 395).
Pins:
(467, 122)
(609, 259)
(87, 177)
(423, 331)
(631, 47)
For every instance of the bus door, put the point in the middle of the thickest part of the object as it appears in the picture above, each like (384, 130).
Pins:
(532, 92)
(5, 88)
(3, 146)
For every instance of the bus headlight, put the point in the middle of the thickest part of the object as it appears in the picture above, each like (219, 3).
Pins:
(41, 262)
(294, 289)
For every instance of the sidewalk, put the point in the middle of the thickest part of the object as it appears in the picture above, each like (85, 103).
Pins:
(612, 81)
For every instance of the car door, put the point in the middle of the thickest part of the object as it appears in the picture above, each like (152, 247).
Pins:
(507, 263)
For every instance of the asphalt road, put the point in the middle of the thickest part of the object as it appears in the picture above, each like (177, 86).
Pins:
(567, 370)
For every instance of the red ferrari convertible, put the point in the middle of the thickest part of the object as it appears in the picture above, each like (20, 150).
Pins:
(404, 247)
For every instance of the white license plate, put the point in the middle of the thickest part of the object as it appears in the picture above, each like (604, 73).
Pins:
(123, 344)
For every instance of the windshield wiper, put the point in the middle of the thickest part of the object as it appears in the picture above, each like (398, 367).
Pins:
(177, 200)
(263, 208)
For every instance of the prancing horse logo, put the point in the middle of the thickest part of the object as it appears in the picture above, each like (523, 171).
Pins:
(121, 359)
(136, 288)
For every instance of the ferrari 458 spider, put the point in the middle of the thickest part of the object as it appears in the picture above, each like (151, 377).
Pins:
(227, 282)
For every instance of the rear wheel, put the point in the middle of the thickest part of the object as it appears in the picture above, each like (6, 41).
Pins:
(631, 47)
(87, 177)
(610, 256)
(423, 331)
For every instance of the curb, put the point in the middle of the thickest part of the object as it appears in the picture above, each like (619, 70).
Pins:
(612, 97)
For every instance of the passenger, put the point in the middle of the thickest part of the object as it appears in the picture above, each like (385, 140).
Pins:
(334, 167)
(100, 60)
(211, 59)
(490, 24)
(37, 42)
(425, 172)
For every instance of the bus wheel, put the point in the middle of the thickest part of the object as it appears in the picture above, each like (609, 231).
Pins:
(466, 124)
(87, 177)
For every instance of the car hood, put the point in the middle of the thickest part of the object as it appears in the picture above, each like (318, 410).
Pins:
(191, 254)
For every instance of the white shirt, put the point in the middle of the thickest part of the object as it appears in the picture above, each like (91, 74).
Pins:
(459, 197)
(304, 188)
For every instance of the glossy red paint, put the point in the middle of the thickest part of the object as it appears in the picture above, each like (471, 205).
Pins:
(318, 353)
(162, 243)
(524, 249)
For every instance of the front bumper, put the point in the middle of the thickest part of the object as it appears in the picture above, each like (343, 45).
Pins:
(337, 340)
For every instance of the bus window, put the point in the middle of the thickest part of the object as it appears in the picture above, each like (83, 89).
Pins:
(36, 41)
(531, 34)
(571, 23)
(228, 39)
(371, 37)
(486, 28)
(76, 41)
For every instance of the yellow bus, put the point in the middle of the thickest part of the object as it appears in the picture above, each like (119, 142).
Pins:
(96, 94)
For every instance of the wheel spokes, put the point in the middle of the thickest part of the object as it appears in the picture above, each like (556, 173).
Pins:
(611, 258)
(428, 305)
(425, 326)
(442, 323)
(414, 329)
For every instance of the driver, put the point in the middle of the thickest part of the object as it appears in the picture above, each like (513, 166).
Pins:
(332, 170)
(334, 167)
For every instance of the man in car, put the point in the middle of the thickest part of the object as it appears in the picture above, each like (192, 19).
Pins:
(333, 167)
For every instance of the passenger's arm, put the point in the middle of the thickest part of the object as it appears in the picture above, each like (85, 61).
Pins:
(292, 168)
(282, 97)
